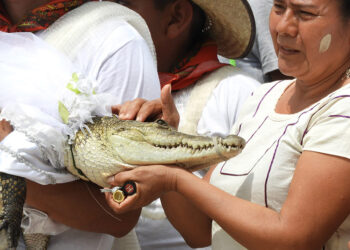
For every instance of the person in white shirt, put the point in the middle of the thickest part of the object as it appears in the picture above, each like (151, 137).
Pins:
(288, 188)
(111, 47)
(194, 72)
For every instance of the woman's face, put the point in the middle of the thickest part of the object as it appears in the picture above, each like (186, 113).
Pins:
(311, 39)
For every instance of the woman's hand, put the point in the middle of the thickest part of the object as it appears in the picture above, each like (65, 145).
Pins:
(142, 110)
(5, 129)
(151, 183)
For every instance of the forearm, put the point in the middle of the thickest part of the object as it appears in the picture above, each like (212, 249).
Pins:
(80, 205)
(192, 224)
(252, 225)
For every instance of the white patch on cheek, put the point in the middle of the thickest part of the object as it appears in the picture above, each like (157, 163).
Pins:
(325, 43)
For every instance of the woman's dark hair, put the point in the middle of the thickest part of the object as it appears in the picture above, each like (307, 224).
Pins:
(345, 9)
(198, 21)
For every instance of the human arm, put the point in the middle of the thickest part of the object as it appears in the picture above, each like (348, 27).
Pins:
(80, 205)
(123, 67)
(252, 225)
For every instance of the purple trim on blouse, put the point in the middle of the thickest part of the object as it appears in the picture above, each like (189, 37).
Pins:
(336, 97)
(340, 96)
(274, 153)
(279, 139)
(263, 98)
(221, 170)
(239, 129)
(257, 130)
(222, 173)
(341, 116)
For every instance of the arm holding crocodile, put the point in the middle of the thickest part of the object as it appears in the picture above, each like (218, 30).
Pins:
(80, 205)
(59, 200)
(76, 204)
(192, 203)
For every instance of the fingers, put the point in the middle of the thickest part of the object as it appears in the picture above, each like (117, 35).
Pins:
(170, 113)
(126, 206)
(5, 129)
(142, 110)
(131, 202)
(150, 110)
(128, 110)
(138, 109)
(120, 178)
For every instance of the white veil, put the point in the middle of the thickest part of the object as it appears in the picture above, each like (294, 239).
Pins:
(44, 96)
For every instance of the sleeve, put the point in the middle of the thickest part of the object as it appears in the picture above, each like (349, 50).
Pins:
(21, 157)
(121, 62)
(264, 45)
(329, 129)
(222, 109)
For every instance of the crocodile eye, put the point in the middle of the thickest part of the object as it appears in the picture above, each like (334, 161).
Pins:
(161, 122)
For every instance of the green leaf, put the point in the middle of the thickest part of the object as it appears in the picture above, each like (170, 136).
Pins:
(63, 111)
(71, 88)
(75, 77)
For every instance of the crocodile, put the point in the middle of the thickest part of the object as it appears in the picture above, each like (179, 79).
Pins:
(109, 145)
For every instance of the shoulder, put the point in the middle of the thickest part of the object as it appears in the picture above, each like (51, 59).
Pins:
(115, 34)
(238, 80)
(335, 105)
(328, 127)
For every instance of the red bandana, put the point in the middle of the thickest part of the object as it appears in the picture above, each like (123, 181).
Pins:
(39, 18)
(205, 61)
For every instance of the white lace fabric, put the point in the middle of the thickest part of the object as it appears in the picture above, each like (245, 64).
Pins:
(46, 100)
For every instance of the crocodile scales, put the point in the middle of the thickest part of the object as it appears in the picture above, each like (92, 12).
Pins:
(109, 146)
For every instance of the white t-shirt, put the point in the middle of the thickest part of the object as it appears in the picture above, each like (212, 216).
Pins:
(118, 59)
(153, 229)
(120, 64)
(263, 171)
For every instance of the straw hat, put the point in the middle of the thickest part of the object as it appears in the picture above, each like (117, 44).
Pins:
(231, 24)
(74, 28)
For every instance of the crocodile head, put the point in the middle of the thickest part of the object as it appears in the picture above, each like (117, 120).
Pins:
(113, 145)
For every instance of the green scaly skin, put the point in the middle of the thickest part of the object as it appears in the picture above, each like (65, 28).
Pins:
(110, 145)
(114, 145)
(12, 197)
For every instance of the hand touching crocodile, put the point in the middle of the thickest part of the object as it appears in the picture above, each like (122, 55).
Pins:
(109, 146)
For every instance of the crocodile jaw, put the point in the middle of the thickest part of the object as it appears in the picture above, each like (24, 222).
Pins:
(192, 154)
(112, 145)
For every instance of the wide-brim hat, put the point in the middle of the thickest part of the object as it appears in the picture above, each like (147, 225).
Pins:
(231, 24)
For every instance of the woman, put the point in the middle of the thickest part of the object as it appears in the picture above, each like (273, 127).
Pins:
(289, 187)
